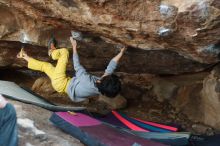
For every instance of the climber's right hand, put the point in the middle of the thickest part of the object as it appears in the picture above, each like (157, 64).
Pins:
(73, 42)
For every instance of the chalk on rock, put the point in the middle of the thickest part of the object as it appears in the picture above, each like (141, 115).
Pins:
(213, 49)
(119, 46)
(167, 10)
(164, 31)
(77, 35)
(202, 10)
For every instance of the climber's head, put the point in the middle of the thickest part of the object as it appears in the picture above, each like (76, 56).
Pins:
(109, 85)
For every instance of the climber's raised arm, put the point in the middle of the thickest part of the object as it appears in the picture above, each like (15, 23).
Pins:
(77, 66)
(120, 54)
(114, 61)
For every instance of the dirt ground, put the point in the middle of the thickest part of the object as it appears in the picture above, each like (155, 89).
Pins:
(44, 133)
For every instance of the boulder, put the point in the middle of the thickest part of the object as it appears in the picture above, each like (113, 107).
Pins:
(210, 98)
(164, 37)
(183, 33)
(95, 56)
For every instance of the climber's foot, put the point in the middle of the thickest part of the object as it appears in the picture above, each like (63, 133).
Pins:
(51, 45)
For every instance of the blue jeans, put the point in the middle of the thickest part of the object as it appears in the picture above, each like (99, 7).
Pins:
(8, 126)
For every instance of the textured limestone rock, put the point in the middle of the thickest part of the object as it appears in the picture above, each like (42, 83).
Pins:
(190, 28)
(197, 96)
(96, 56)
(175, 36)
(210, 98)
(182, 92)
(202, 129)
(118, 102)
(164, 90)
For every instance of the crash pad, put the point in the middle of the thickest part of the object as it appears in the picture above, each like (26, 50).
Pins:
(13, 91)
(93, 132)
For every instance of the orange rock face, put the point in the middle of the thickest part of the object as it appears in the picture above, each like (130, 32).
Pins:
(182, 36)
(190, 28)
(164, 37)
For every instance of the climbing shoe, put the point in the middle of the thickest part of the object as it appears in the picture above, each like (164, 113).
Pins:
(50, 42)
(21, 54)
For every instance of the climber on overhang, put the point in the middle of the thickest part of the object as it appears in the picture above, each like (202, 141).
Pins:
(83, 84)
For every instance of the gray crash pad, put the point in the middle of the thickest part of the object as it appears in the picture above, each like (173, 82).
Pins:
(13, 91)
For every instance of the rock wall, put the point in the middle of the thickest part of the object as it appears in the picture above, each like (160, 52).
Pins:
(195, 95)
(95, 56)
(210, 98)
(164, 37)
(190, 28)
